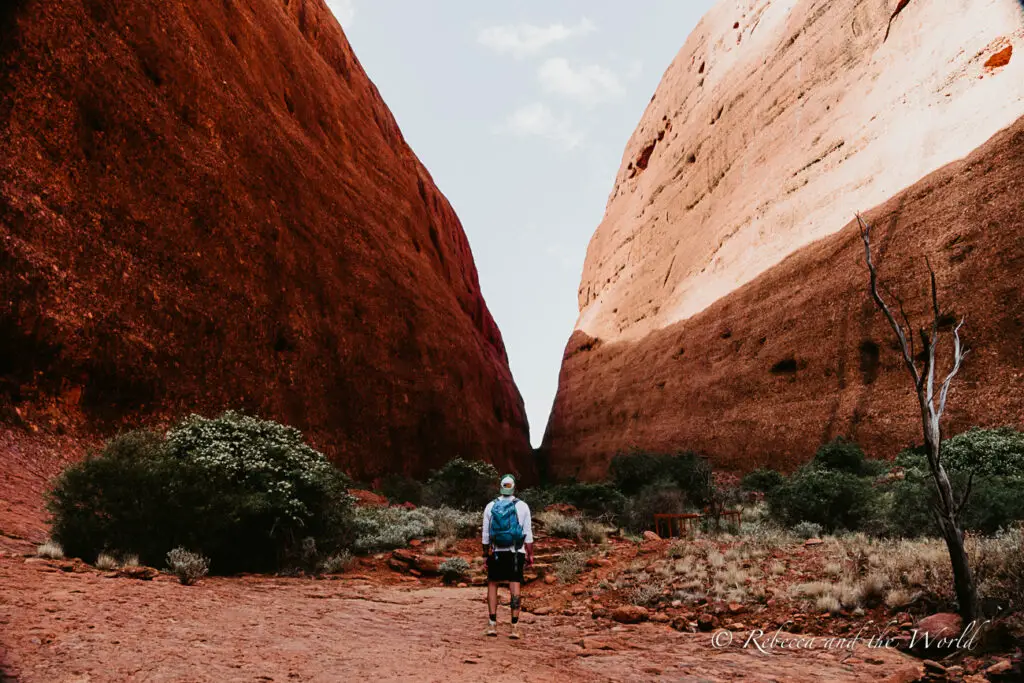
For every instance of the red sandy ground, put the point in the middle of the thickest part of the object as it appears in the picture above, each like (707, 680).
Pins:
(82, 626)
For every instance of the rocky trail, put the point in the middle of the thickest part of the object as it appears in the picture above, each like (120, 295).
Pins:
(67, 622)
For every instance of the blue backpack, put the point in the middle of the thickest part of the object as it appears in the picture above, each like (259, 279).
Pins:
(505, 528)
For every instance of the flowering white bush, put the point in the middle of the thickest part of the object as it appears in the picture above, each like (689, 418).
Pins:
(257, 454)
(247, 493)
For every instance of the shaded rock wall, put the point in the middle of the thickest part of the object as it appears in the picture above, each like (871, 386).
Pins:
(207, 205)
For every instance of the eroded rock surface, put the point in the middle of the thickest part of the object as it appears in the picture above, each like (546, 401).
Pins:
(723, 305)
(207, 205)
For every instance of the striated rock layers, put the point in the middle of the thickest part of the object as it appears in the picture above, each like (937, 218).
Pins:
(207, 205)
(723, 304)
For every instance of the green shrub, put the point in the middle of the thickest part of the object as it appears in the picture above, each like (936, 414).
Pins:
(399, 489)
(651, 500)
(995, 452)
(454, 570)
(840, 455)
(189, 567)
(537, 497)
(687, 472)
(243, 491)
(387, 528)
(995, 502)
(463, 484)
(595, 500)
(451, 523)
(763, 480)
(833, 499)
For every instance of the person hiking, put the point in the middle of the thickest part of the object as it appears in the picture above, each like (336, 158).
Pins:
(508, 548)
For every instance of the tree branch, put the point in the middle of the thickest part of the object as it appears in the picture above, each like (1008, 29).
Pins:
(908, 359)
(958, 357)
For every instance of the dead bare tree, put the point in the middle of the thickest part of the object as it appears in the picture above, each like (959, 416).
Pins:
(949, 506)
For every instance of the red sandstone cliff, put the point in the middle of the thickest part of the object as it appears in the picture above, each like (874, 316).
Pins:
(723, 303)
(207, 205)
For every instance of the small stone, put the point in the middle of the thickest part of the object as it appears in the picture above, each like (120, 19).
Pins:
(1000, 667)
(813, 542)
(661, 618)
(630, 614)
(651, 536)
(140, 573)
(736, 626)
(403, 555)
(934, 667)
(550, 579)
(735, 607)
(579, 590)
(598, 644)
(941, 625)
(599, 613)
(463, 584)
(541, 611)
(677, 603)
(415, 543)
(705, 622)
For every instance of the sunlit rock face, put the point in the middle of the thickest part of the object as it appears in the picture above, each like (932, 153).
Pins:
(772, 126)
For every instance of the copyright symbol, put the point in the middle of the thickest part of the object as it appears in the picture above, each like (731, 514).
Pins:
(721, 639)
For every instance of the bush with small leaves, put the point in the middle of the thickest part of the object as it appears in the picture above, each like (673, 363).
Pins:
(241, 490)
(646, 594)
(188, 566)
(834, 499)
(993, 452)
(462, 484)
(51, 550)
(559, 525)
(449, 522)
(387, 528)
(454, 570)
(686, 471)
(570, 565)
(337, 563)
(399, 489)
(763, 480)
(840, 455)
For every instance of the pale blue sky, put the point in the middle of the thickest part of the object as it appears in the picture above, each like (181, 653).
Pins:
(521, 112)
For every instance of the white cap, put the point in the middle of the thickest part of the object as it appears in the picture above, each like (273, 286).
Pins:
(508, 485)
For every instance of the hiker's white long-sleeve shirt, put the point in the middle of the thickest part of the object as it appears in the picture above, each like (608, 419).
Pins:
(522, 513)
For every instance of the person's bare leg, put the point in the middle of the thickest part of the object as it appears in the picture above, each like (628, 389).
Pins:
(492, 608)
(516, 604)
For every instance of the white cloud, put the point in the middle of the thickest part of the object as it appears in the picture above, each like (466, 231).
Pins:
(522, 40)
(344, 11)
(589, 83)
(537, 120)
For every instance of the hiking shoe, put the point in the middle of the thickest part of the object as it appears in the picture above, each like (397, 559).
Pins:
(514, 635)
(492, 631)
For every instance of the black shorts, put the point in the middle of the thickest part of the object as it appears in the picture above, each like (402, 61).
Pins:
(506, 565)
